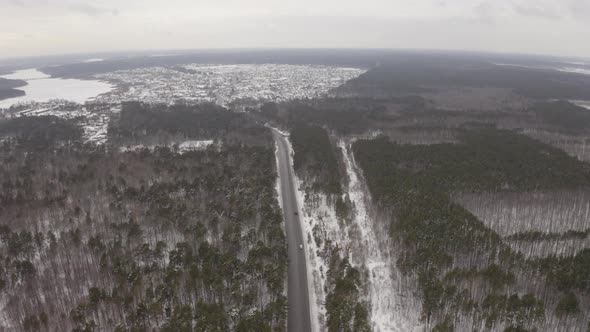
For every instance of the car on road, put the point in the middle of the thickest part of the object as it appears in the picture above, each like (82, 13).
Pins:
(296, 213)
(300, 246)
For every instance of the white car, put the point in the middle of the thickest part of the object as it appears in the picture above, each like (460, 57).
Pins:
(301, 246)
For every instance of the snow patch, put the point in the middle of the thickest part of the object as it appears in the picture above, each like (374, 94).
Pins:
(576, 70)
(581, 103)
(93, 60)
(278, 181)
(186, 146)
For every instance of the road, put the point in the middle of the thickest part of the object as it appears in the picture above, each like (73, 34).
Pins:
(298, 316)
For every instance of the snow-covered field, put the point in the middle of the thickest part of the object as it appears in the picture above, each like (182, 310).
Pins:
(223, 84)
(42, 88)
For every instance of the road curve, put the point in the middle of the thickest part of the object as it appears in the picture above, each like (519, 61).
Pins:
(298, 316)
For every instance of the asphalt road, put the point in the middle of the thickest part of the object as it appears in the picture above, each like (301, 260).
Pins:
(298, 316)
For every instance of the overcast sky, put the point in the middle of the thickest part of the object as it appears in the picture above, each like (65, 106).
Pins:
(39, 27)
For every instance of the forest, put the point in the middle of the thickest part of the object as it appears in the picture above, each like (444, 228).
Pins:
(563, 115)
(174, 224)
(346, 116)
(7, 88)
(448, 247)
(469, 275)
(140, 123)
(415, 76)
(94, 238)
(315, 159)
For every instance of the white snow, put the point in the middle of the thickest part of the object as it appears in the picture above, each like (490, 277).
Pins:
(311, 217)
(186, 146)
(576, 70)
(546, 248)
(541, 211)
(93, 60)
(194, 145)
(42, 88)
(581, 103)
(278, 182)
(26, 75)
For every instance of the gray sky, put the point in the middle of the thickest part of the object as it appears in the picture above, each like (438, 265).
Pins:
(38, 27)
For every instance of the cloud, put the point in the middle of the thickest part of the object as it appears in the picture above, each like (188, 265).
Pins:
(581, 9)
(486, 12)
(64, 26)
(28, 8)
(91, 10)
(536, 10)
(18, 3)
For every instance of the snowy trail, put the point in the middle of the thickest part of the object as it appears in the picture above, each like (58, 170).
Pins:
(386, 310)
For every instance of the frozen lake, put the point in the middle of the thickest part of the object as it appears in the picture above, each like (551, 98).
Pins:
(42, 88)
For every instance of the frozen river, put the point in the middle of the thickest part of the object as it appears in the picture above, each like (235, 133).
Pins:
(42, 88)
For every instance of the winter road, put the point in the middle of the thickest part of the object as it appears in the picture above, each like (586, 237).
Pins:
(298, 317)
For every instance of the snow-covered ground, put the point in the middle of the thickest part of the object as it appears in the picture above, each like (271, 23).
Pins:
(546, 248)
(577, 146)
(224, 84)
(577, 70)
(186, 146)
(93, 60)
(42, 88)
(548, 212)
(384, 284)
(582, 103)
